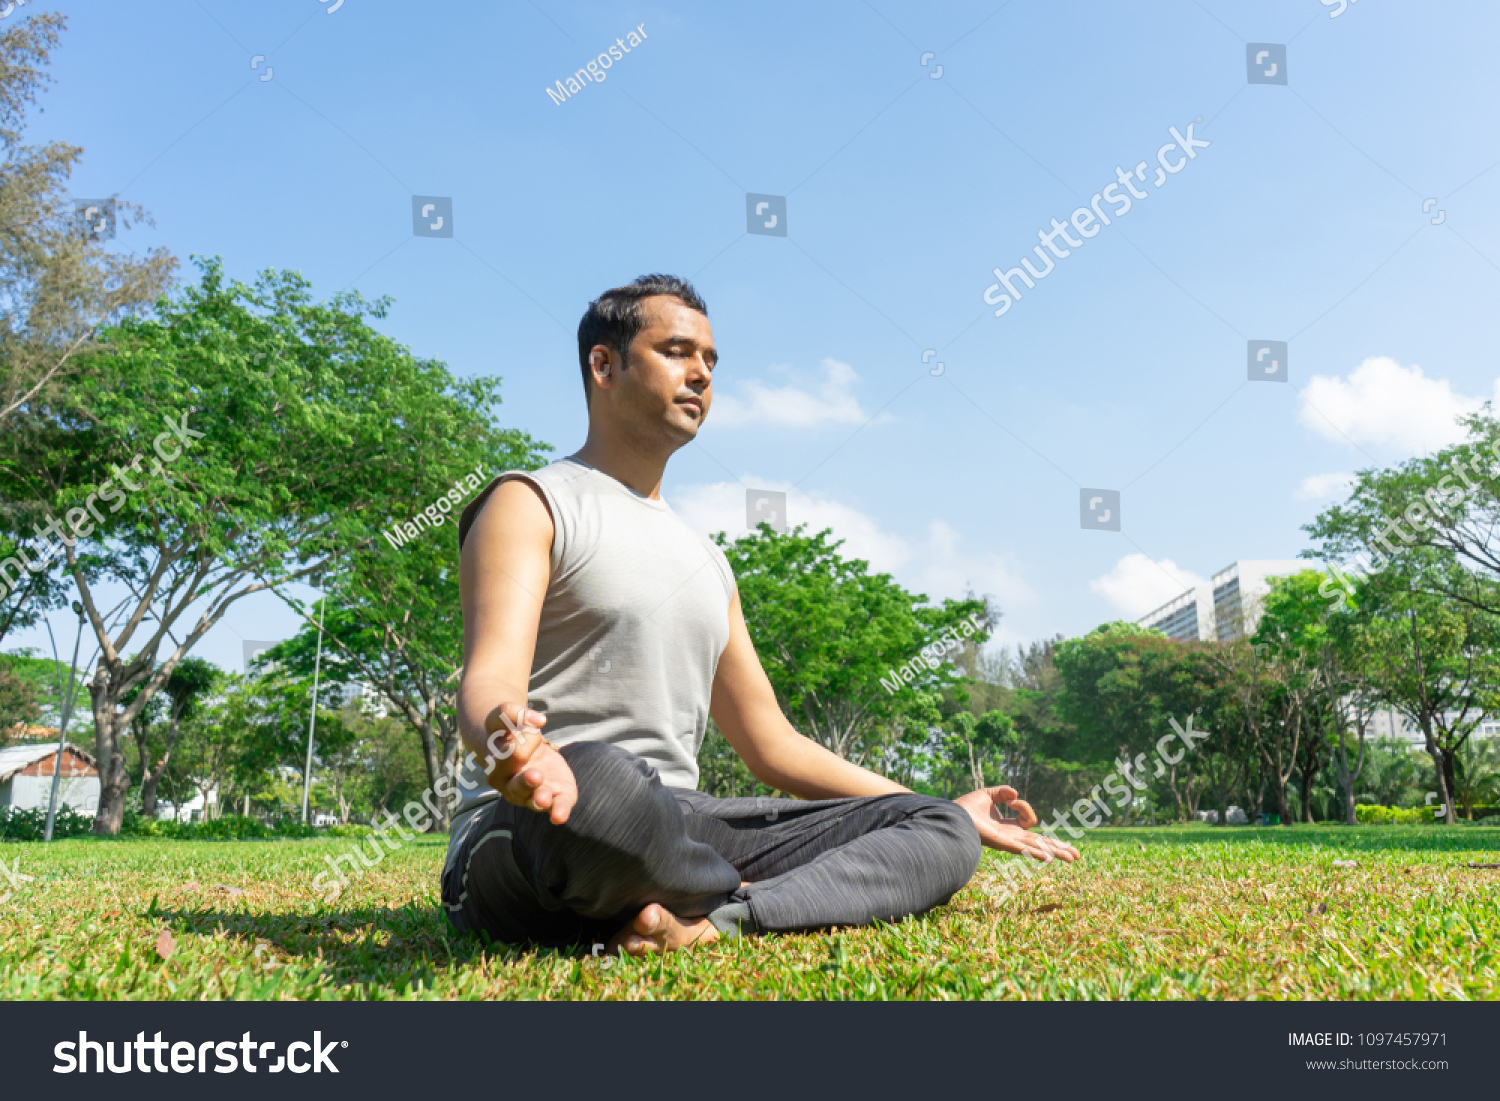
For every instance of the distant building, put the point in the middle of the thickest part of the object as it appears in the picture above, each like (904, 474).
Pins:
(1392, 724)
(363, 696)
(1225, 608)
(26, 778)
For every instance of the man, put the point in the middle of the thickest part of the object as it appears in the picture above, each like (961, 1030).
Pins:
(593, 612)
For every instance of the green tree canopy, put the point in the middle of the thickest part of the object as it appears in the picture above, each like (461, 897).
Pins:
(276, 433)
(855, 660)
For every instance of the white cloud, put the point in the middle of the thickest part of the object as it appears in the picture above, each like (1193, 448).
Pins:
(1386, 404)
(1138, 585)
(932, 561)
(828, 402)
(1321, 487)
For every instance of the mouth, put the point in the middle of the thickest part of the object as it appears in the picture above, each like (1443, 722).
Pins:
(695, 404)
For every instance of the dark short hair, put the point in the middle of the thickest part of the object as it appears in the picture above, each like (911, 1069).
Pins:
(616, 318)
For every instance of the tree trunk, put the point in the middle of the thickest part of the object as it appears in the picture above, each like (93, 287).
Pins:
(148, 782)
(114, 778)
(435, 753)
(151, 777)
(1307, 782)
(453, 752)
(1451, 785)
(148, 794)
(1441, 772)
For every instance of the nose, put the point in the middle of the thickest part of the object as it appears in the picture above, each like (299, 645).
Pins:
(699, 374)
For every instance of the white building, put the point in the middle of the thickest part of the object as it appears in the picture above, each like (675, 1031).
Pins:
(26, 778)
(200, 808)
(1392, 724)
(1224, 608)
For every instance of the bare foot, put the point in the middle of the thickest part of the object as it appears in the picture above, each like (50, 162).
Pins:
(657, 929)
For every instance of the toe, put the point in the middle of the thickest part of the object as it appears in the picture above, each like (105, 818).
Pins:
(651, 921)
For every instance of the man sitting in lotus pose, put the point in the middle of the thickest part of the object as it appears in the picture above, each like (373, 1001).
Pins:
(592, 611)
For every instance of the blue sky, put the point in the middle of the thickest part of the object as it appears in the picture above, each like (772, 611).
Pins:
(1124, 369)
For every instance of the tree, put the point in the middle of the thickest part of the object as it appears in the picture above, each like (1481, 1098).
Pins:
(184, 692)
(978, 743)
(225, 748)
(20, 705)
(58, 284)
(1318, 654)
(294, 432)
(1030, 690)
(1123, 688)
(1434, 662)
(1476, 773)
(1393, 774)
(854, 658)
(1441, 510)
(394, 767)
(1109, 708)
(1271, 685)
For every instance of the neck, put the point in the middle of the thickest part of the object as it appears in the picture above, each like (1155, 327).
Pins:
(624, 460)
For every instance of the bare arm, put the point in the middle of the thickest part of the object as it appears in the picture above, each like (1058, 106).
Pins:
(744, 705)
(503, 573)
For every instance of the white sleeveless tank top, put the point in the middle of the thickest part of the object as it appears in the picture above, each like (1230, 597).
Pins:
(635, 617)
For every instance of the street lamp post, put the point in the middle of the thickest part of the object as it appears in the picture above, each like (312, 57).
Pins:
(312, 718)
(65, 702)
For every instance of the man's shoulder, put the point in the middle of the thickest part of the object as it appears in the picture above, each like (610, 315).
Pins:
(517, 493)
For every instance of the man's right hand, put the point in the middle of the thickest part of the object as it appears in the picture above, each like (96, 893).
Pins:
(531, 773)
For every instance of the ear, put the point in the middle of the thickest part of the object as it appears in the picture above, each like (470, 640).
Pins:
(603, 364)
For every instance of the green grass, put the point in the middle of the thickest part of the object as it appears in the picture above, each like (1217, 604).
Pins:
(1175, 912)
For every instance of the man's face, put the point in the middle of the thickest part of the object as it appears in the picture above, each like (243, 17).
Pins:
(667, 386)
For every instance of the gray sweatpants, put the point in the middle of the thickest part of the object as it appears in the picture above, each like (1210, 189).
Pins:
(631, 841)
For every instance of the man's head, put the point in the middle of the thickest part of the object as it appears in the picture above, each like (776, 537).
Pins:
(647, 355)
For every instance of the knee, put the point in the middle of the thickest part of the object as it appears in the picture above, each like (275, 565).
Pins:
(959, 843)
(601, 765)
(614, 784)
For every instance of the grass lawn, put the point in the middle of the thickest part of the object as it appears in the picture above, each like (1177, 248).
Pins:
(1173, 912)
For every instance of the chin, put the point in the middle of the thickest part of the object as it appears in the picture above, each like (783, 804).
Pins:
(687, 422)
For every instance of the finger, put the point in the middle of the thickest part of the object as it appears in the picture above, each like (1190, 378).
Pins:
(562, 806)
(520, 787)
(1039, 852)
(1025, 816)
(501, 718)
(1060, 851)
(1029, 844)
(1014, 842)
(514, 717)
(541, 798)
(1002, 794)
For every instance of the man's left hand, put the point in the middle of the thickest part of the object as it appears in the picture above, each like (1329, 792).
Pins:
(1010, 834)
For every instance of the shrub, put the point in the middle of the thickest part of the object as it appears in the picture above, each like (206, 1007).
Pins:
(232, 827)
(31, 825)
(1386, 816)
